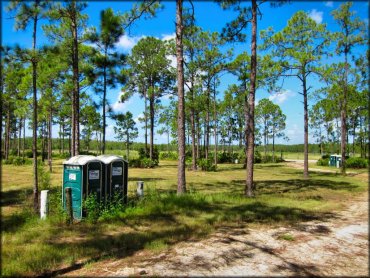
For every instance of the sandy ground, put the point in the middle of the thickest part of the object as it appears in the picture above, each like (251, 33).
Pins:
(337, 247)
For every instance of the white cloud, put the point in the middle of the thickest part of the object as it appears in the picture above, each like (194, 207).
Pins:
(173, 60)
(127, 43)
(118, 106)
(138, 117)
(329, 4)
(316, 15)
(282, 96)
(167, 37)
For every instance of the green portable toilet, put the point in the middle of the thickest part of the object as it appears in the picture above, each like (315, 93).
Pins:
(83, 173)
(115, 174)
(334, 159)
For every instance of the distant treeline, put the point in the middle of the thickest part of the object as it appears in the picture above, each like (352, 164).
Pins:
(63, 147)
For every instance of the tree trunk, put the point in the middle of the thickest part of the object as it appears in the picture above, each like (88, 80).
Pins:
(7, 135)
(151, 111)
(215, 127)
(104, 99)
(19, 138)
(273, 147)
(34, 127)
(343, 119)
(146, 124)
(24, 137)
(127, 146)
(181, 182)
(76, 87)
(206, 142)
(50, 147)
(249, 188)
(305, 106)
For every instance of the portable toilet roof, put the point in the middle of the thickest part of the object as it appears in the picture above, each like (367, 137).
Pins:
(106, 158)
(81, 160)
(336, 155)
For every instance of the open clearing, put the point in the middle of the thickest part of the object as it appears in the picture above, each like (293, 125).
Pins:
(292, 227)
(337, 247)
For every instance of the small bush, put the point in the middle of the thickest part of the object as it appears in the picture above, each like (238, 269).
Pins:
(226, 157)
(323, 162)
(206, 165)
(168, 156)
(356, 162)
(92, 207)
(143, 163)
(143, 155)
(325, 156)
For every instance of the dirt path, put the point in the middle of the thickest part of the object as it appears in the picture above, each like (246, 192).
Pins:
(336, 247)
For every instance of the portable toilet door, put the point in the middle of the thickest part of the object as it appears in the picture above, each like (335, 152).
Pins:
(83, 173)
(116, 171)
(73, 178)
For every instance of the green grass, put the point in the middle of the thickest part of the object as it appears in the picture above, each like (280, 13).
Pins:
(31, 246)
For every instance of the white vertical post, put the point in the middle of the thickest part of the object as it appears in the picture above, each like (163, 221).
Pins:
(44, 204)
(140, 189)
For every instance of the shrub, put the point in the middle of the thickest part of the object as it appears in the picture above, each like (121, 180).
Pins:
(356, 162)
(325, 156)
(323, 162)
(148, 163)
(168, 156)
(43, 176)
(29, 154)
(92, 208)
(226, 157)
(206, 164)
(143, 155)
(143, 163)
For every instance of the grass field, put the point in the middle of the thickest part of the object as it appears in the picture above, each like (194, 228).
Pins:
(31, 246)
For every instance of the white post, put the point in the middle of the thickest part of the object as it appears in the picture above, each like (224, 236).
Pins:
(44, 204)
(140, 189)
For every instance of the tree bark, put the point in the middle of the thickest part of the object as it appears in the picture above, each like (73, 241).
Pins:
(151, 111)
(343, 117)
(249, 187)
(181, 182)
(104, 102)
(7, 135)
(19, 138)
(305, 106)
(50, 147)
(146, 124)
(215, 127)
(34, 127)
(76, 87)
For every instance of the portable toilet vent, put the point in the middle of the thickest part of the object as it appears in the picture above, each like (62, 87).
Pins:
(82, 173)
(115, 173)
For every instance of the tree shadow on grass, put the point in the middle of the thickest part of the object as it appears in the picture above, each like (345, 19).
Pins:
(13, 197)
(298, 185)
(145, 179)
(123, 245)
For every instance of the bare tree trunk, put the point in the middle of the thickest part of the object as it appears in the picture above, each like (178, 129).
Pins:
(249, 187)
(7, 135)
(215, 128)
(151, 111)
(50, 147)
(181, 182)
(206, 142)
(24, 137)
(76, 87)
(305, 105)
(146, 124)
(34, 128)
(343, 119)
(104, 103)
(19, 138)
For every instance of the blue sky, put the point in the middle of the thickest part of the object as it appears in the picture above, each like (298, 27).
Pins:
(210, 17)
